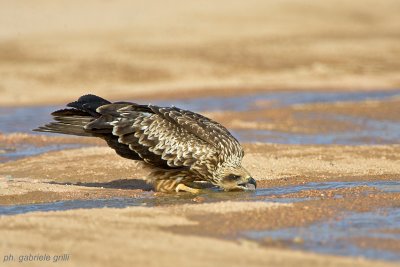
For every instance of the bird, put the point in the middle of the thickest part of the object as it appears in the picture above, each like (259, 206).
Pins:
(184, 149)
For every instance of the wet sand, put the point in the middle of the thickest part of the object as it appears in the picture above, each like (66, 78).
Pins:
(263, 160)
(144, 240)
(299, 186)
(66, 175)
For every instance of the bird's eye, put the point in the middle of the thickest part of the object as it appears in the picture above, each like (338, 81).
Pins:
(232, 177)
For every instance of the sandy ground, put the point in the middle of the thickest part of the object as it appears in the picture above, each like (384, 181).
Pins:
(212, 223)
(168, 234)
(52, 52)
(100, 166)
(145, 241)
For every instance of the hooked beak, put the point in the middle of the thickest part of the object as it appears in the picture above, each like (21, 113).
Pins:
(251, 185)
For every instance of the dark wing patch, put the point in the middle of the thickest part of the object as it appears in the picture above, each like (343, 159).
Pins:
(89, 103)
(121, 149)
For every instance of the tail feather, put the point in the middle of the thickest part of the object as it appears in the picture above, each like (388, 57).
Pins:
(68, 125)
(61, 128)
(73, 120)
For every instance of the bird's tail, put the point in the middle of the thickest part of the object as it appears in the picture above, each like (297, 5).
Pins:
(73, 120)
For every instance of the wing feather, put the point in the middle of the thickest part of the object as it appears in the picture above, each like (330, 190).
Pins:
(157, 140)
(205, 129)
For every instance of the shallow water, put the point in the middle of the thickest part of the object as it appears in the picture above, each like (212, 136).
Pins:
(336, 236)
(328, 236)
(383, 186)
(26, 150)
(24, 119)
(275, 99)
(369, 131)
(213, 195)
(148, 200)
(372, 132)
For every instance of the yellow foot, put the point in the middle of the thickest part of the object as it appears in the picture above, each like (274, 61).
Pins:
(185, 188)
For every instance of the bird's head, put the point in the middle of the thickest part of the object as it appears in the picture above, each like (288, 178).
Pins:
(235, 178)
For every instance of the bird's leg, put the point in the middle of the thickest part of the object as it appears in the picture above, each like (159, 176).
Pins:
(168, 186)
(183, 187)
(168, 181)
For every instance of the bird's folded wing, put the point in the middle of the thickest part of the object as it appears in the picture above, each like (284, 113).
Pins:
(154, 138)
(207, 130)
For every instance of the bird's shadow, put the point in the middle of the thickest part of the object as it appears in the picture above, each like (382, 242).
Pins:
(129, 184)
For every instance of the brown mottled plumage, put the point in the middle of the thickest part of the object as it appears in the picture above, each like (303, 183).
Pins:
(183, 147)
